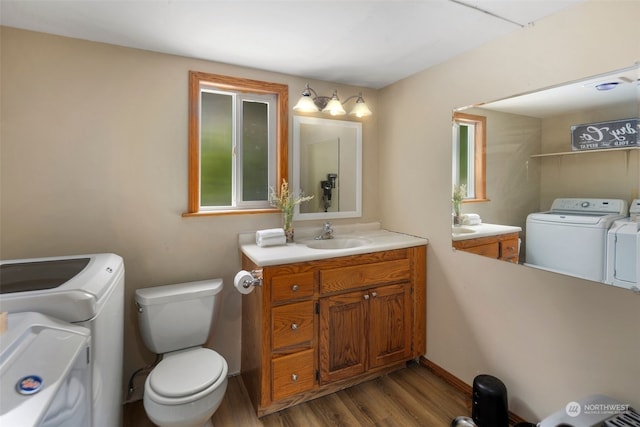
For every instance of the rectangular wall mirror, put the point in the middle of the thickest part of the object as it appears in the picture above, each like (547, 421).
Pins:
(531, 160)
(327, 163)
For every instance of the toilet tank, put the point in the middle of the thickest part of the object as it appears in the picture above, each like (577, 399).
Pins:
(174, 317)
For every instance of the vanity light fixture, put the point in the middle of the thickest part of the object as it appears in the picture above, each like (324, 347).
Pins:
(311, 102)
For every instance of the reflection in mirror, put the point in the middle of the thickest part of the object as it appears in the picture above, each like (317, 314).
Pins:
(327, 163)
(531, 162)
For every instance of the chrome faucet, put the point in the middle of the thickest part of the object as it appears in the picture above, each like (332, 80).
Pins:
(327, 232)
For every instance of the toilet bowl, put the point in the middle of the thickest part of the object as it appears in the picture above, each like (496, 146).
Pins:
(186, 388)
(188, 385)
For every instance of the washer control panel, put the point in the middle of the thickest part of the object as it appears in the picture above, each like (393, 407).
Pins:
(604, 206)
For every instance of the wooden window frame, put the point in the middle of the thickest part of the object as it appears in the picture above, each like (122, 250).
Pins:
(196, 79)
(480, 153)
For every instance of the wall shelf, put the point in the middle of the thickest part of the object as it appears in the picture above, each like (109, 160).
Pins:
(566, 153)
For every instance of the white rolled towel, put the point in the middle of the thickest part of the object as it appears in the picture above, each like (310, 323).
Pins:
(471, 219)
(271, 237)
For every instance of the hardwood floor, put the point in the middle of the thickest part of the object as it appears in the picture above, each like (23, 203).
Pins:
(413, 396)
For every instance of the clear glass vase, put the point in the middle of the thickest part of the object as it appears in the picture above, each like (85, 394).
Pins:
(288, 225)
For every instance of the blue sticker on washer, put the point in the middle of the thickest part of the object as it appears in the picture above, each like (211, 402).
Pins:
(29, 385)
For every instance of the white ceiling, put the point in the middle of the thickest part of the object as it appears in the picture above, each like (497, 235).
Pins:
(576, 96)
(363, 43)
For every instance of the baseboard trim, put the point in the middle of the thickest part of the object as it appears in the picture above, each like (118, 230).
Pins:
(460, 385)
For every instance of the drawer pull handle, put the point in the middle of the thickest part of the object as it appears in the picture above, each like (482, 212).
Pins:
(294, 326)
(294, 288)
(374, 294)
(366, 296)
(294, 377)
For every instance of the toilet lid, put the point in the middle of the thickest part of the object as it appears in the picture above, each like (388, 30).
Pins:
(186, 373)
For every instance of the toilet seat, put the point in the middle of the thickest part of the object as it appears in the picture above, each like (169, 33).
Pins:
(185, 375)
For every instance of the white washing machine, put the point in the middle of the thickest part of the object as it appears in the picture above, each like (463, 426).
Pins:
(45, 372)
(86, 290)
(623, 250)
(571, 238)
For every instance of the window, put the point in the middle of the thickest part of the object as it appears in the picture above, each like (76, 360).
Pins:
(469, 154)
(238, 133)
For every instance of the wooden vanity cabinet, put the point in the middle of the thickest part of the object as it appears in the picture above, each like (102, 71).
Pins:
(503, 246)
(317, 327)
(363, 330)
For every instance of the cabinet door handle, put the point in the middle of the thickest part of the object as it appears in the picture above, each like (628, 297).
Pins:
(294, 326)
(294, 377)
(366, 296)
(294, 288)
(374, 294)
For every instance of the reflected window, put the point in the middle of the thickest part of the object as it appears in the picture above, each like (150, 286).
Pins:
(237, 143)
(469, 154)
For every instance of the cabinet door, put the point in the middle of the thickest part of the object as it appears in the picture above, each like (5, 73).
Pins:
(342, 347)
(390, 324)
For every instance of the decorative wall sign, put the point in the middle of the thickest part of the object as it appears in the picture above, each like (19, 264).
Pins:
(611, 134)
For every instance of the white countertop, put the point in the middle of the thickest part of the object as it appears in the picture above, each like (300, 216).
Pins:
(379, 240)
(466, 232)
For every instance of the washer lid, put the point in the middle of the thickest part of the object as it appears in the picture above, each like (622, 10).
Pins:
(37, 355)
(73, 296)
(39, 275)
(186, 373)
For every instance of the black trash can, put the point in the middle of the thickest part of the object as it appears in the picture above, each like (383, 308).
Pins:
(490, 407)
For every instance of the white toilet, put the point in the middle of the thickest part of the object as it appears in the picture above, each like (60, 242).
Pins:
(188, 385)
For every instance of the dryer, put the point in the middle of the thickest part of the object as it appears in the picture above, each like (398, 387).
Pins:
(45, 372)
(623, 250)
(86, 290)
(571, 237)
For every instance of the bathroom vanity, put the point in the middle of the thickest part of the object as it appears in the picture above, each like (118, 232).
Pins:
(333, 318)
(490, 240)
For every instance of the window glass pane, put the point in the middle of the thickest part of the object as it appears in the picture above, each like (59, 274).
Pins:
(466, 158)
(463, 153)
(255, 151)
(216, 145)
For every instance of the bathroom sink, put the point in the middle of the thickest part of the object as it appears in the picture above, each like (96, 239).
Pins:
(337, 243)
(456, 231)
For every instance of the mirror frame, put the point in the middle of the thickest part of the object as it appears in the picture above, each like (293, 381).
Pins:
(297, 122)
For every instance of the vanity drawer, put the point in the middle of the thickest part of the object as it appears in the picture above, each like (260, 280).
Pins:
(292, 325)
(291, 286)
(350, 277)
(293, 373)
(491, 250)
(509, 248)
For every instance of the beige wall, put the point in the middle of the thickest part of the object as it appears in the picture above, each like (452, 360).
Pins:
(550, 338)
(94, 159)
